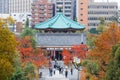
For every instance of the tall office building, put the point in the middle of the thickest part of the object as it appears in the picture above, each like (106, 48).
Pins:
(90, 12)
(4, 6)
(96, 10)
(51, 1)
(82, 12)
(68, 7)
(35, 0)
(41, 11)
(20, 6)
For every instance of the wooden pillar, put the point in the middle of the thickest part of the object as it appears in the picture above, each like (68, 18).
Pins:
(50, 53)
(54, 53)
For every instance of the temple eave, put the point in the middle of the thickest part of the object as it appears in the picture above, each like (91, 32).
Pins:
(54, 46)
(60, 28)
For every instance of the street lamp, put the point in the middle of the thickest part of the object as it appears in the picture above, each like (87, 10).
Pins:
(77, 64)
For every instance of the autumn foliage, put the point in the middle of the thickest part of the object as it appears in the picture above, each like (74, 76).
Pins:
(66, 56)
(101, 54)
(30, 54)
(7, 51)
(80, 50)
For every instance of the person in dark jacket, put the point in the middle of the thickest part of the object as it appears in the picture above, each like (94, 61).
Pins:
(71, 70)
(66, 73)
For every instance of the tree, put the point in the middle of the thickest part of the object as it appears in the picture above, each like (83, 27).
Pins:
(90, 40)
(66, 56)
(30, 54)
(11, 21)
(93, 31)
(80, 50)
(115, 17)
(29, 71)
(29, 32)
(19, 74)
(7, 51)
(6, 70)
(113, 70)
(101, 53)
(102, 26)
(102, 20)
(3, 23)
(27, 23)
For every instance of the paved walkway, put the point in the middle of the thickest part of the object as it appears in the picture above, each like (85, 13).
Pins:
(45, 73)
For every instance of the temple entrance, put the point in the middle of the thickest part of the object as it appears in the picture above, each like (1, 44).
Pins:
(55, 54)
(58, 55)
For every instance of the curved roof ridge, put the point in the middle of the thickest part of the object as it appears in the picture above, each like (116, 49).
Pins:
(62, 16)
(56, 19)
(73, 21)
(59, 21)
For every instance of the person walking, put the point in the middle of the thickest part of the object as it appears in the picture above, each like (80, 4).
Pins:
(50, 67)
(66, 73)
(56, 64)
(71, 70)
(54, 71)
(62, 70)
(50, 71)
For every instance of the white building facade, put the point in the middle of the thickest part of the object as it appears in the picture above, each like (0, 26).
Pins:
(21, 17)
(68, 7)
(4, 6)
(20, 6)
(96, 10)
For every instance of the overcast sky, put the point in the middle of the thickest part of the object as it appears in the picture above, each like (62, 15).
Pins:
(110, 1)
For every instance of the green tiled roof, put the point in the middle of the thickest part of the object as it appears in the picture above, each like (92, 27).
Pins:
(59, 21)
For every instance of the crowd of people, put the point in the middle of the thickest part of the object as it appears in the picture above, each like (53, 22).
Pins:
(56, 66)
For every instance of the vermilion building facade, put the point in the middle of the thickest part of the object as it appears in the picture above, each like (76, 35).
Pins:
(41, 11)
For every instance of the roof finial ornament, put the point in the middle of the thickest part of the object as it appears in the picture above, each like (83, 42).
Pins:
(60, 8)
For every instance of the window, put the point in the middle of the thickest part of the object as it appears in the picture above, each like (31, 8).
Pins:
(81, 14)
(81, 8)
(67, 10)
(81, 19)
(67, 2)
(81, 3)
